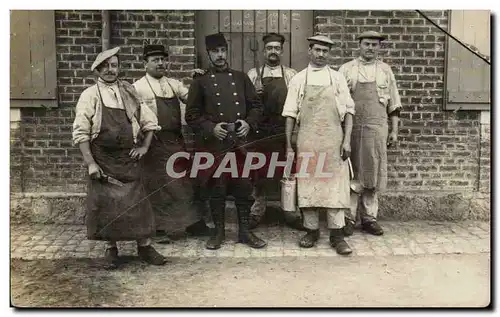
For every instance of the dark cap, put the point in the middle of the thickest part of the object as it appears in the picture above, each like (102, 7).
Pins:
(213, 41)
(273, 37)
(154, 49)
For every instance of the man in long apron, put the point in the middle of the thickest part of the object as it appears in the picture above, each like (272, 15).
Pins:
(222, 107)
(318, 98)
(271, 81)
(172, 199)
(375, 93)
(109, 122)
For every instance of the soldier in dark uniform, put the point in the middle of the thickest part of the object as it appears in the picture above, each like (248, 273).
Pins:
(222, 108)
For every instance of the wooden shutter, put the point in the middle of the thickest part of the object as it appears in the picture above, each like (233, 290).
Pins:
(468, 80)
(244, 30)
(33, 77)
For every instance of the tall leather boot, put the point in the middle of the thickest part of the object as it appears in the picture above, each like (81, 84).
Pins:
(338, 243)
(244, 234)
(219, 234)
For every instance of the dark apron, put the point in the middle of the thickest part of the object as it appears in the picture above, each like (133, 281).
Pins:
(369, 137)
(273, 137)
(116, 212)
(171, 198)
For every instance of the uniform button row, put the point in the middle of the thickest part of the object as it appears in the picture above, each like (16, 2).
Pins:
(238, 114)
(234, 94)
(236, 103)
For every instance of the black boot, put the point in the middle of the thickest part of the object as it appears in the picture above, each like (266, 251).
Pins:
(219, 234)
(150, 255)
(348, 227)
(111, 259)
(373, 227)
(309, 239)
(338, 243)
(244, 234)
(199, 229)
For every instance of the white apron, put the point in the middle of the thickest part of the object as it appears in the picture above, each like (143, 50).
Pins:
(320, 131)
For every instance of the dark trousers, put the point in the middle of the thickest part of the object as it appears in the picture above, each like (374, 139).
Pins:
(241, 190)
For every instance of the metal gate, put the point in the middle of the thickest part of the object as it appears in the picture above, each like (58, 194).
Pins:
(244, 30)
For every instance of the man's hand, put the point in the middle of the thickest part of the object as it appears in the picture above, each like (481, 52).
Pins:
(392, 139)
(219, 132)
(95, 171)
(138, 153)
(244, 128)
(345, 152)
(198, 72)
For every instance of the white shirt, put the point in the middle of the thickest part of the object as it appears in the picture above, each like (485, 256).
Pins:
(110, 94)
(323, 76)
(163, 87)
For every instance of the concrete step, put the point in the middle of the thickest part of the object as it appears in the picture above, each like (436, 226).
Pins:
(69, 208)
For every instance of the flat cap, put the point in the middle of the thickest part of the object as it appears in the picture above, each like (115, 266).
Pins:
(215, 40)
(104, 56)
(320, 39)
(154, 49)
(273, 37)
(371, 35)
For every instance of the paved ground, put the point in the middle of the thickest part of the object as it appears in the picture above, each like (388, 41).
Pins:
(401, 238)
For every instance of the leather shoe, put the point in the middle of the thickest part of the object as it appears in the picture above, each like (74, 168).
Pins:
(338, 243)
(252, 240)
(150, 255)
(309, 239)
(373, 227)
(111, 259)
(215, 241)
(348, 227)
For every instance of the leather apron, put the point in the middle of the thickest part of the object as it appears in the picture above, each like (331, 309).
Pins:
(171, 198)
(369, 137)
(273, 138)
(114, 212)
(321, 132)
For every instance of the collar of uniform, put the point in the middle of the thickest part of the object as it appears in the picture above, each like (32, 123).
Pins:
(365, 62)
(219, 70)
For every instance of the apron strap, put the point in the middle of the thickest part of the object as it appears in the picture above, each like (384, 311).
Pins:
(282, 74)
(262, 75)
(151, 87)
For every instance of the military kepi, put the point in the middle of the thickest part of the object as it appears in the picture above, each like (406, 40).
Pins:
(371, 35)
(154, 49)
(104, 56)
(320, 39)
(273, 37)
(213, 41)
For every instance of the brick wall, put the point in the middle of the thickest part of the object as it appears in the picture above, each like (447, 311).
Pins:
(438, 150)
(43, 158)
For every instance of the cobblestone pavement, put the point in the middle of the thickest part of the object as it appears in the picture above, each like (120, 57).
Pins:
(36, 241)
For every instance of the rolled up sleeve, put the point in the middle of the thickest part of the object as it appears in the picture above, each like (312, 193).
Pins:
(395, 100)
(291, 106)
(149, 121)
(345, 95)
(84, 112)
